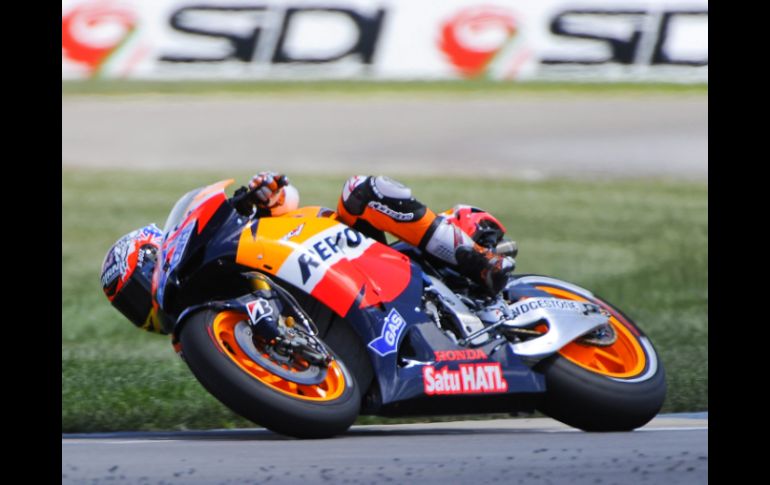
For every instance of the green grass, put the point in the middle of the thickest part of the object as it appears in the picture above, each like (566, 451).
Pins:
(641, 244)
(368, 88)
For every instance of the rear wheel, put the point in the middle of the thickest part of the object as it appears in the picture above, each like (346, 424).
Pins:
(286, 394)
(609, 382)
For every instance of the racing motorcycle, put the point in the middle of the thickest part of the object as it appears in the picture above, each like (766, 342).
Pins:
(300, 323)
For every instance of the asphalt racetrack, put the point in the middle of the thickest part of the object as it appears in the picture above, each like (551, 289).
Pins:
(522, 137)
(670, 450)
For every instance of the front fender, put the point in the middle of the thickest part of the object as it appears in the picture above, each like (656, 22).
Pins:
(255, 305)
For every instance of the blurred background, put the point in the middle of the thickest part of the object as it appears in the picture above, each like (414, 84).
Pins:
(581, 124)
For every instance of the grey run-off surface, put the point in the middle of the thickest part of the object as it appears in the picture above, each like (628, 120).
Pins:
(522, 137)
(670, 450)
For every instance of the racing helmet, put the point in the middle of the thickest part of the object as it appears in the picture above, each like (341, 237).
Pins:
(127, 274)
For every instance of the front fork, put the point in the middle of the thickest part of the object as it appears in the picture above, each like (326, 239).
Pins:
(275, 316)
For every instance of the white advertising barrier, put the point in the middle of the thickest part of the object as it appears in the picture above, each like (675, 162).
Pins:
(583, 40)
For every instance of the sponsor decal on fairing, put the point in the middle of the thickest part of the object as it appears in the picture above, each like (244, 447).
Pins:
(478, 378)
(311, 259)
(392, 328)
(462, 354)
(294, 232)
(530, 304)
(259, 309)
(180, 245)
(334, 265)
(172, 250)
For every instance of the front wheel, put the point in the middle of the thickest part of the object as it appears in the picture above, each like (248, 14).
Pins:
(288, 396)
(617, 385)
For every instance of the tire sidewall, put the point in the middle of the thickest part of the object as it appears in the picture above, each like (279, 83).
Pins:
(595, 402)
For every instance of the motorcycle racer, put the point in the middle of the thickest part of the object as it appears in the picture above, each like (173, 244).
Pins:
(372, 205)
(376, 204)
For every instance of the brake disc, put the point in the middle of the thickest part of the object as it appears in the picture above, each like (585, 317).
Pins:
(281, 365)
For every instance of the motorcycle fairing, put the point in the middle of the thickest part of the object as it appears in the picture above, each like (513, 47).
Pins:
(333, 262)
(199, 204)
(366, 282)
(192, 214)
(371, 285)
(400, 374)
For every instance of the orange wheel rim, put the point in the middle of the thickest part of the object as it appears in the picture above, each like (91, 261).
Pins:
(623, 359)
(224, 334)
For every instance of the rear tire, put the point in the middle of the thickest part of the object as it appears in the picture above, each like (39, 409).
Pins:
(592, 402)
(590, 391)
(213, 364)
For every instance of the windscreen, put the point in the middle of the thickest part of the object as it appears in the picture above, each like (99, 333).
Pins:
(180, 209)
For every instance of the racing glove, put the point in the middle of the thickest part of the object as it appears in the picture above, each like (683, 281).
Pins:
(267, 188)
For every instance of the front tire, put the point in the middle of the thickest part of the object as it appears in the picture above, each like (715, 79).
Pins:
(618, 387)
(229, 372)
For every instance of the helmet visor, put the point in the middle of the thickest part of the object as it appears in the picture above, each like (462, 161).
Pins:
(134, 300)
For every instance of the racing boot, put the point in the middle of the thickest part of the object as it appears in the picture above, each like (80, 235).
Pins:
(449, 243)
(485, 267)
